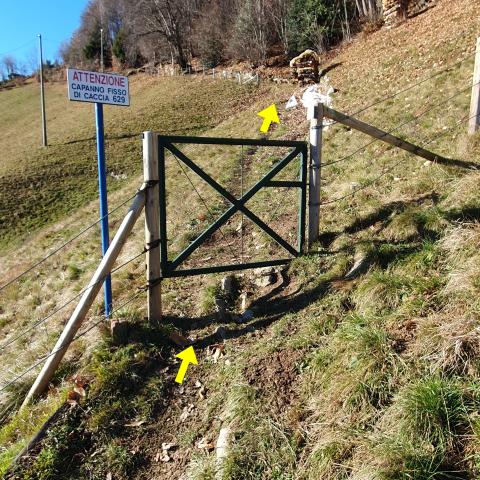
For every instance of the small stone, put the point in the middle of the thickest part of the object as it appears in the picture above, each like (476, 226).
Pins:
(263, 282)
(228, 284)
(244, 301)
(120, 331)
(427, 163)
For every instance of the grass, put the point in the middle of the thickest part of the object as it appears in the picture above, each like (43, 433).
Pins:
(374, 376)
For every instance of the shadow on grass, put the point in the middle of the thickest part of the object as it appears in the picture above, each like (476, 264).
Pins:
(382, 214)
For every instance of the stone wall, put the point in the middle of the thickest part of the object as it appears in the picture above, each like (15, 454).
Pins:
(395, 11)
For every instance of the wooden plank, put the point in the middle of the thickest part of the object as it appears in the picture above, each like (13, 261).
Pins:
(474, 121)
(316, 127)
(380, 134)
(152, 226)
(87, 299)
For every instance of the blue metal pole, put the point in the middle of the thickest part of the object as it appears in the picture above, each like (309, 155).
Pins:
(102, 187)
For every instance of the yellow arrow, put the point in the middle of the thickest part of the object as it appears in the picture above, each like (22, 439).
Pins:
(269, 115)
(187, 356)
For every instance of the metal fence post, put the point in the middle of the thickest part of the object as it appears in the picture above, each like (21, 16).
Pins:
(315, 115)
(474, 120)
(152, 225)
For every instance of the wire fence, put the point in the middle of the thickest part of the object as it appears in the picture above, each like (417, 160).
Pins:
(64, 245)
(29, 339)
(17, 376)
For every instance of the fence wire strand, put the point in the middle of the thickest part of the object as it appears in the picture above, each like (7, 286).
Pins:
(388, 170)
(61, 247)
(68, 302)
(410, 87)
(77, 337)
(428, 110)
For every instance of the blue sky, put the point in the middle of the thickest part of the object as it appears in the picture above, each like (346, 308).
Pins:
(22, 20)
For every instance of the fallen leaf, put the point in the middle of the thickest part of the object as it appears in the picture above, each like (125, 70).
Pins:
(168, 446)
(80, 391)
(73, 397)
(204, 443)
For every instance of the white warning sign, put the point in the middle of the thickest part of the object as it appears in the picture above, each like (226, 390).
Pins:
(97, 87)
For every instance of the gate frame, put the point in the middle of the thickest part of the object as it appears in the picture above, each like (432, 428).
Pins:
(168, 268)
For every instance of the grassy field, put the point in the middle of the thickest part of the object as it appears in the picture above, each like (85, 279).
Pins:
(373, 376)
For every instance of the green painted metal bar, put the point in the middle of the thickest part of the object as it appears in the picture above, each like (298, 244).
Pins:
(230, 141)
(163, 208)
(224, 268)
(303, 200)
(236, 204)
(283, 183)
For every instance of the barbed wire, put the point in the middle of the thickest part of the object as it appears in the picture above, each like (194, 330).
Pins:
(388, 170)
(61, 247)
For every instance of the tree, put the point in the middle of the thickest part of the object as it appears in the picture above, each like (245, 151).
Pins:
(369, 9)
(118, 47)
(278, 12)
(9, 64)
(317, 23)
(251, 31)
(171, 20)
(92, 48)
(211, 27)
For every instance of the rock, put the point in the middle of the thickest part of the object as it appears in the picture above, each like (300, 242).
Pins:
(221, 450)
(228, 285)
(263, 277)
(244, 301)
(119, 330)
(221, 307)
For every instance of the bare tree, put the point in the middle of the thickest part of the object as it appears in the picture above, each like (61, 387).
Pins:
(278, 12)
(10, 66)
(252, 32)
(171, 20)
(368, 9)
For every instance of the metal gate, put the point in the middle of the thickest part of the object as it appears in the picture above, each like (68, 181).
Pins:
(170, 268)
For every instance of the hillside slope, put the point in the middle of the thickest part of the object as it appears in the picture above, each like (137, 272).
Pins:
(367, 376)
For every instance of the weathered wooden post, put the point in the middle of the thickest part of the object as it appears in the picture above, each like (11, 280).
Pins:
(152, 225)
(88, 297)
(315, 115)
(474, 119)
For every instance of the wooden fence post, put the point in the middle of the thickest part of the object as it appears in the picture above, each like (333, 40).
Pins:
(89, 295)
(474, 120)
(152, 225)
(315, 115)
